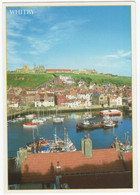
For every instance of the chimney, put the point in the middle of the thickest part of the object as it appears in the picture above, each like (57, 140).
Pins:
(58, 176)
(21, 155)
(58, 168)
(117, 145)
(86, 147)
(83, 144)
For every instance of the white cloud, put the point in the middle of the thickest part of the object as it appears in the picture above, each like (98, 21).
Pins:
(111, 56)
(126, 54)
(118, 54)
(55, 34)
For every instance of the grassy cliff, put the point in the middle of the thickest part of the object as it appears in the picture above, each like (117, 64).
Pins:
(27, 80)
(100, 79)
(35, 80)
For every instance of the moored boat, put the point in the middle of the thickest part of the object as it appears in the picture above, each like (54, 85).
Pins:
(108, 120)
(30, 125)
(58, 120)
(88, 125)
(112, 112)
(38, 121)
(110, 124)
(124, 147)
(20, 119)
(30, 116)
(43, 145)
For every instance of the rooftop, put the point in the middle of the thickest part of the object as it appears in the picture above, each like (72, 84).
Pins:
(41, 167)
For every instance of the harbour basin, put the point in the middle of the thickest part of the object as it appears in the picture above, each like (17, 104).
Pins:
(18, 136)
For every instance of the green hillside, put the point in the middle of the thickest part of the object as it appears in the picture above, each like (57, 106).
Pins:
(100, 79)
(27, 80)
(35, 80)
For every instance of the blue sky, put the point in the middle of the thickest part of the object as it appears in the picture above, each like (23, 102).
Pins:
(95, 37)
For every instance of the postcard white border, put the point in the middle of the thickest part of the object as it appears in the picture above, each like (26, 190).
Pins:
(134, 82)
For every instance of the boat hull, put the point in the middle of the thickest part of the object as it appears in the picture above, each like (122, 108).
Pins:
(29, 125)
(81, 126)
(110, 113)
(110, 126)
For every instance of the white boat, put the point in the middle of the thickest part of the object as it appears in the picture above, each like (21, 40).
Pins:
(110, 124)
(69, 146)
(30, 116)
(41, 121)
(20, 119)
(58, 120)
(30, 125)
(12, 121)
(38, 121)
(112, 112)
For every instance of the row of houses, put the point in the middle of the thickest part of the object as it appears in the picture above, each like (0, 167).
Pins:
(88, 100)
(63, 91)
(61, 99)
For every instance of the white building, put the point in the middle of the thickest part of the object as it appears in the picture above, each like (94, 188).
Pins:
(13, 105)
(119, 101)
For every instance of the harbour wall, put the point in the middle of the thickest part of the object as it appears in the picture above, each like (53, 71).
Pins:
(60, 110)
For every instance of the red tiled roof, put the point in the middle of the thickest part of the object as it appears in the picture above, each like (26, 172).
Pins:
(58, 70)
(37, 166)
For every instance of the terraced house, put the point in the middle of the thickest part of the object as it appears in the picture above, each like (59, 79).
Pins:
(45, 100)
(100, 99)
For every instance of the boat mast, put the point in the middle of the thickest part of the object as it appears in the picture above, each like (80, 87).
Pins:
(33, 136)
(55, 136)
(34, 140)
(37, 134)
(65, 136)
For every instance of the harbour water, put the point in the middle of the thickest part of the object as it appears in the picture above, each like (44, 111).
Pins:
(101, 138)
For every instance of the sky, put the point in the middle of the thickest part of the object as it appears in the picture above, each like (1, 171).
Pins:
(92, 37)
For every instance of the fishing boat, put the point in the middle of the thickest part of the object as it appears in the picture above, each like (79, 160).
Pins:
(108, 120)
(68, 145)
(30, 125)
(124, 147)
(42, 145)
(89, 117)
(112, 112)
(88, 125)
